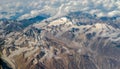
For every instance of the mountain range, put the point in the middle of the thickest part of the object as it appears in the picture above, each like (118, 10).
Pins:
(76, 40)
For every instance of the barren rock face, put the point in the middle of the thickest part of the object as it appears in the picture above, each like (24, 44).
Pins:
(62, 44)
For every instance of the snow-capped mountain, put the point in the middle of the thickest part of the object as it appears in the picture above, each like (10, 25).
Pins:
(74, 41)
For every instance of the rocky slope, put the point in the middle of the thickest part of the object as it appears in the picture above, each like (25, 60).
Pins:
(69, 42)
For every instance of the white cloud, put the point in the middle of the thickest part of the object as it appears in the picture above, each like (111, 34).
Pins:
(32, 8)
(113, 13)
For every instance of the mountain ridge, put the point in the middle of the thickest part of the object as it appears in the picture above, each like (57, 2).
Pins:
(76, 41)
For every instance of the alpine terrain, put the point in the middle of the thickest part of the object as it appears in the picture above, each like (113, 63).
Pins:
(59, 39)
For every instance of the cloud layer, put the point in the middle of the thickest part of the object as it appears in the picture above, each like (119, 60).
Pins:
(24, 9)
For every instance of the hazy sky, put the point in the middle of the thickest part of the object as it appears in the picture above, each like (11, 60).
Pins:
(30, 8)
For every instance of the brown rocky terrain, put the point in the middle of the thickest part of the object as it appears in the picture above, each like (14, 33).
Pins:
(62, 44)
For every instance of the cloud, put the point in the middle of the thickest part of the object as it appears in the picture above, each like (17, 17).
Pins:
(33, 13)
(114, 13)
(32, 8)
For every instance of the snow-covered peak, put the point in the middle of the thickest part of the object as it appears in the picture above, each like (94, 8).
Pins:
(103, 26)
(60, 21)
